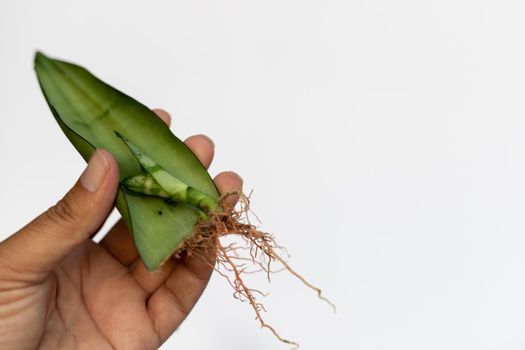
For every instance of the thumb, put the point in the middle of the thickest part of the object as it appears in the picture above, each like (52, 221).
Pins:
(41, 245)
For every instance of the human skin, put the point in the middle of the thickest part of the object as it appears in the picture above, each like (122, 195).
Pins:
(61, 290)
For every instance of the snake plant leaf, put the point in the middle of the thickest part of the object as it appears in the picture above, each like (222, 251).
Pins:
(91, 114)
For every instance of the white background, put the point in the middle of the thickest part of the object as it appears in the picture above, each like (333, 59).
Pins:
(385, 142)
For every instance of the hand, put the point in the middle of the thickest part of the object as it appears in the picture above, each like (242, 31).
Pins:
(61, 290)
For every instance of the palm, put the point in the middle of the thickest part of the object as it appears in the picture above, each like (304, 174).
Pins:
(96, 301)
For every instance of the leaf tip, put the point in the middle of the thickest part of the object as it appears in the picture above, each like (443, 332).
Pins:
(40, 58)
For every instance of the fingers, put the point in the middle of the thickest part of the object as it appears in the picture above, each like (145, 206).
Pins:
(174, 299)
(171, 302)
(229, 182)
(151, 280)
(40, 246)
(203, 147)
(163, 115)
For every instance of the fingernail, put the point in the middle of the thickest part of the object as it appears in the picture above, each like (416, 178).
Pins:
(96, 170)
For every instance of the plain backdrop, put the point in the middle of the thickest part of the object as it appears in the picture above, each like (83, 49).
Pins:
(384, 141)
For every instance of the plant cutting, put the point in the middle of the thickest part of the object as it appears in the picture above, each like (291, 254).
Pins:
(166, 197)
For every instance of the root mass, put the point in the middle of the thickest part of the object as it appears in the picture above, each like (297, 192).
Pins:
(253, 251)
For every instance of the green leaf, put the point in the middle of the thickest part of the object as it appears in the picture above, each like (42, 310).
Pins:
(89, 112)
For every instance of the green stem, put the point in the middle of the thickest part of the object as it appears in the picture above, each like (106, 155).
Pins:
(159, 183)
(144, 184)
